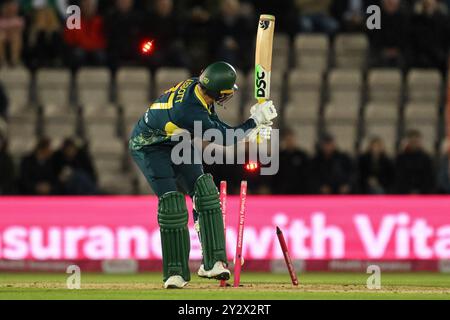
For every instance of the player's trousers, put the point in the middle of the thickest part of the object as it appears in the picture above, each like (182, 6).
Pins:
(162, 174)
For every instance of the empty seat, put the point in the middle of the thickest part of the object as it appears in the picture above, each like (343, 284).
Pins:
(111, 178)
(100, 123)
(134, 111)
(21, 131)
(280, 55)
(131, 114)
(350, 50)
(421, 112)
(53, 86)
(16, 82)
(381, 112)
(348, 113)
(345, 79)
(108, 157)
(107, 163)
(59, 122)
(305, 85)
(166, 78)
(301, 110)
(133, 86)
(384, 85)
(103, 150)
(311, 51)
(345, 87)
(305, 79)
(424, 85)
(280, 61)
(19, 146)
(280, 42)
(23, 125)
(93, 86)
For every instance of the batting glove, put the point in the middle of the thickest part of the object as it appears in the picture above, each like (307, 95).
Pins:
(263, 113)
(264, 131)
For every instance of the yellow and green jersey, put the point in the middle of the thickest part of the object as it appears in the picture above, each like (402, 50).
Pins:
(178, 108)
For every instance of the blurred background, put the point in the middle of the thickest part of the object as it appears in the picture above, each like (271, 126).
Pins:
(362, 111)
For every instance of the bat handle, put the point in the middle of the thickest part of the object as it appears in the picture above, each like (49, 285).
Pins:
(258, 137)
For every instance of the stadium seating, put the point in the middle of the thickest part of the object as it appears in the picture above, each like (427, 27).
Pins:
(305, 87)
(424, 85)
(133, 86)
(344, 134)
(281, 46)
(384, 85)
(381, 120)
(329, 89)
(311, 52)
(22, 122)
(350, 51)
(93, 87)
(59, 121)
(53, 87)
(17, 82)
(166, 78)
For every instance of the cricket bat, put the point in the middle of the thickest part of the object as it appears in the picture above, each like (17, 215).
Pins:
(263, 58)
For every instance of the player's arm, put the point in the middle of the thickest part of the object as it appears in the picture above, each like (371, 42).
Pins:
(262, 115)
(207, 122)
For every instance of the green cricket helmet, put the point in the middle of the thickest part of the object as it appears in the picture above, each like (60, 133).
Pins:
(218, 80)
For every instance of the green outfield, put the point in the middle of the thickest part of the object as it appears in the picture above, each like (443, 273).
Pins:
(255, 286)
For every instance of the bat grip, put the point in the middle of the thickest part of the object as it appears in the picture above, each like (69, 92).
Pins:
(258, 137)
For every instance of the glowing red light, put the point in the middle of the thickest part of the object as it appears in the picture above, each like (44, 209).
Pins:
(251, 166)
(147, 47)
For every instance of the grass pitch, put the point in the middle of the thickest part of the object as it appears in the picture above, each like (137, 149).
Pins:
(255, 286)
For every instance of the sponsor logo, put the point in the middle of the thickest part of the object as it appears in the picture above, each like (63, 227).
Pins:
(264, 24)
(260, 82)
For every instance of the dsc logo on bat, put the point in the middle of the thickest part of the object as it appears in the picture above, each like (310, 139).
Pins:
(264, 24)
(262, 83)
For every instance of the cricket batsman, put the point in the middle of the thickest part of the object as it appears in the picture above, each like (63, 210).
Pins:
(190, 101)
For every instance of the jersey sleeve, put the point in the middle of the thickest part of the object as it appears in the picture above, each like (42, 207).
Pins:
(212, 121)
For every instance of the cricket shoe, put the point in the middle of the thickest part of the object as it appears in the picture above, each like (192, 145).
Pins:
(218, 272)
(175, 282)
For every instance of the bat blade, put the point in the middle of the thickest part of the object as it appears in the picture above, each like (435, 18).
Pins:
(263, 56)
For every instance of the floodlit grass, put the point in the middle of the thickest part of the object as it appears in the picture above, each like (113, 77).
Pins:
(255, 286)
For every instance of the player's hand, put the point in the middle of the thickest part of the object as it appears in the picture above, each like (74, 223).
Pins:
(264, 131)
(263, 113)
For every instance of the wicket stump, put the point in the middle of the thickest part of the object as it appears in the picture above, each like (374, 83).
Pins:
(238, 257)
(223, 202)
(287, 258)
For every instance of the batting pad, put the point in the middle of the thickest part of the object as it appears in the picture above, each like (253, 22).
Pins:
(173, 219)
(207, 204)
